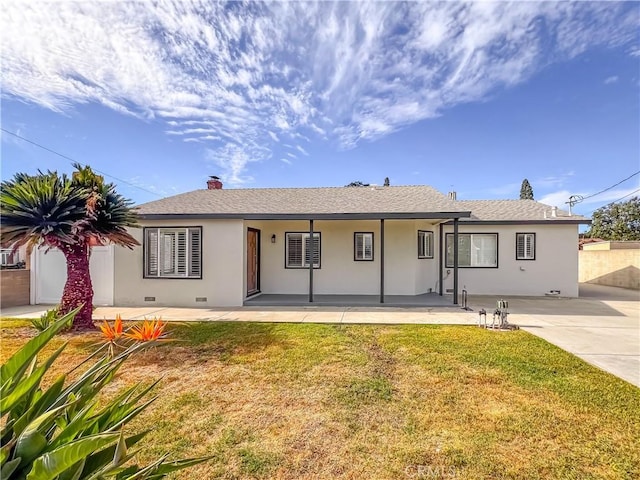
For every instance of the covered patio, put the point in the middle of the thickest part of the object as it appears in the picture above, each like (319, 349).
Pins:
(264, 232)
(413, 301)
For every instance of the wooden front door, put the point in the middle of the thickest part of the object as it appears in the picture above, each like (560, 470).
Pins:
(253, 261)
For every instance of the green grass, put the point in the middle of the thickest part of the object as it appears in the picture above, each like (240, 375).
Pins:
(293, 401)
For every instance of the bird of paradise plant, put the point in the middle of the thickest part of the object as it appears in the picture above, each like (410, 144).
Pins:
(149, 330)
(61, 431)
(111, 334)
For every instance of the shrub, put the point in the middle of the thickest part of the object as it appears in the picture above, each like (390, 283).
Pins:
(47, 318)
(60, 432)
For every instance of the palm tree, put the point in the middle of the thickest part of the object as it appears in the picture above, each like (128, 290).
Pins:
(71, 214)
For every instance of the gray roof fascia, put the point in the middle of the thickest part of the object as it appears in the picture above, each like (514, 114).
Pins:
(304, 216)
(523, 222)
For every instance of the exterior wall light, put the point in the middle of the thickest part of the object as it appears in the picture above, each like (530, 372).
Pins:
(273, 238)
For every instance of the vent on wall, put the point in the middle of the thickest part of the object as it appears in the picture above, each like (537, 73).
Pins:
(201, 299)
(449, 290)
(149, 299)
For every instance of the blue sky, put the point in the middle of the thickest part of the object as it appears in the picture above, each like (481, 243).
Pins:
(471, 97)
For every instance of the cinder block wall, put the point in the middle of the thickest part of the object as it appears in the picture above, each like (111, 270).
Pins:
(14, 288)
(616, 268)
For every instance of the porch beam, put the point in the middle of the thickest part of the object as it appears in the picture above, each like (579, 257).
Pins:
(382, 260)
(440, 260)
(311, 252)
(455, 261)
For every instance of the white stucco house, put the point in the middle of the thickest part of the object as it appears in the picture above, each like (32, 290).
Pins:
(396, 244)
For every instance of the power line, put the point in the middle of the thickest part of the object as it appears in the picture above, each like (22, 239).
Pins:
(575, 199)
(622, 198)
(81, 163)
(612, 186)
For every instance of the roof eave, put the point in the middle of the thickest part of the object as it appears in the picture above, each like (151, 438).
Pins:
(566, 221)
(306, 216)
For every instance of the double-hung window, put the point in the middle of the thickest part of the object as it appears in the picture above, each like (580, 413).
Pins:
(425, 244)
(479, 250)
(173, 252)
(298, 250)
(363, 246)
(525, 246)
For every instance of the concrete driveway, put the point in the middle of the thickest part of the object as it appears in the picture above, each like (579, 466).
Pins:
(602, 326)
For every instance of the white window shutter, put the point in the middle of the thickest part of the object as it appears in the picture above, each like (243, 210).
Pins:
(195, 256)
(294, 250)
(151, 253)
(316, 250)
(360, 255)
(181, 253)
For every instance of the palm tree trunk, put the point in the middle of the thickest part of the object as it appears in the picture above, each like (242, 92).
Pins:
(78, 289)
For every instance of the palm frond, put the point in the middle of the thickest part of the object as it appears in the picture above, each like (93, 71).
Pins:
(44, 207)
(55, 210)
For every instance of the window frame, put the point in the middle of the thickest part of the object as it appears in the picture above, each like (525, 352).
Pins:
(535, 241)
(303, 266)
(428, 233)
(355, 256)
(186, 229)
(450, 235)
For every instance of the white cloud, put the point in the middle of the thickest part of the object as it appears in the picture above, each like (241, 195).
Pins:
(553, 181)
(610, 80)
(302, 150)
(286, 160)
(344, 71)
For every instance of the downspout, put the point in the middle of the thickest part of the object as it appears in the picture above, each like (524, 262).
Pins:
(455, 261)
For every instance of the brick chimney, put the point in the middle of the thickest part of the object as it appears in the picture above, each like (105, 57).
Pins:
(214, 183)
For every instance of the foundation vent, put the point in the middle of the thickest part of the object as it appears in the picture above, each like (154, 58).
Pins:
(201, 299)
(149, 299)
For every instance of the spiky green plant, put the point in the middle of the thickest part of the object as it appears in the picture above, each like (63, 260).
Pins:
(71, 214)
(61, 432)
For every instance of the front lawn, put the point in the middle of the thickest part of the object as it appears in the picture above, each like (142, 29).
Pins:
(294, 401)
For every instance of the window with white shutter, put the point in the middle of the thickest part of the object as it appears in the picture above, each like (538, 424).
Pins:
(173, 252)
(477, 250)
(363, 246)
(298, 250)
(425, 244)
(525, 246)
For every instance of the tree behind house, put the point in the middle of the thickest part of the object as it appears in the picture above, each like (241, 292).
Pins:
(71, 214)
(357, 183)
(617, 221)
(526, 192)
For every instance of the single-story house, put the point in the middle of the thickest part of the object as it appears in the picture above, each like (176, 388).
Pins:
(226, 247)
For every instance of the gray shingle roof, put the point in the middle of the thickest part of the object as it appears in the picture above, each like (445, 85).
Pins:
(400, 199)
(512, 210)
(346, 200)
